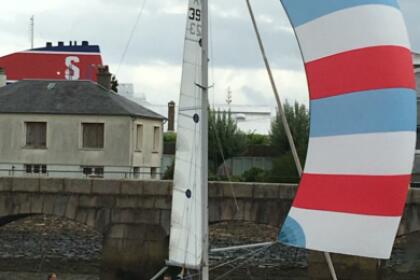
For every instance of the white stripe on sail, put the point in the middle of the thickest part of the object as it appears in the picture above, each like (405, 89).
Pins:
(352, 28)
(388, 153)
(186, 236)
(362, 235)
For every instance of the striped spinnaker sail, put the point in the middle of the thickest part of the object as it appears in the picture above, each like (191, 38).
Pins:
(362, 131)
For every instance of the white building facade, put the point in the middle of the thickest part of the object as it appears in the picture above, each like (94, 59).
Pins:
(76, 129)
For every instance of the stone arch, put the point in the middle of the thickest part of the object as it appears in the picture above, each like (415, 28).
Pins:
(11, 218)
(69, 206)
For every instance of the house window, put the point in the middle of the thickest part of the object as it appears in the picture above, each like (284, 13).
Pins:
(136, 172)
(36, 135)
(93, 135)
(139, 137)
(93, 171)
(35, 168)
(153, 172)
(156, 138)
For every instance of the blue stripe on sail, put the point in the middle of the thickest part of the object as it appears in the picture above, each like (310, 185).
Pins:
(303, 11)
(292, 233)
(386, 110)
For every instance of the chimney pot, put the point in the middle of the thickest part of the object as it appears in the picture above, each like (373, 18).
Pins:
(171, 116)
(104, 77)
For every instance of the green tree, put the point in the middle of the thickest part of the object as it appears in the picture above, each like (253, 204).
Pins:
(225, 139)
(169, 137)
(298, 119)
(257, 139)
(284, 169)
(114, 83)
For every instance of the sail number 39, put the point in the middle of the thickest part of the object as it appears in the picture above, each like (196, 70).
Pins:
(194, 26)
(194, 14)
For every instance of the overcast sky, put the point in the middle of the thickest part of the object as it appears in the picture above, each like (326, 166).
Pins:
(153, 59)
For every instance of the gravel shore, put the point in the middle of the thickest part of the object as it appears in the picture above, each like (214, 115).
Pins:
(35, 246)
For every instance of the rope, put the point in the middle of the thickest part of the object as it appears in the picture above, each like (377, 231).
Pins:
(43, 251)
(213, 93)
(219, 145)
(257, 252)
(247, 257)
(140, 13)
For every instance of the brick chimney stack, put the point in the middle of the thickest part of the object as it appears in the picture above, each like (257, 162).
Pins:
(171, 116)
(104, 77)
(3, 78)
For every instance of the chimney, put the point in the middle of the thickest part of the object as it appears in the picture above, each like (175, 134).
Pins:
(49, 45)
(103, 77)
(171, 116)
(60, 43)
(2, 77)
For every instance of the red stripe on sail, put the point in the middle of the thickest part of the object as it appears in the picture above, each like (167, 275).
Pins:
(368, 195)
(360, 70)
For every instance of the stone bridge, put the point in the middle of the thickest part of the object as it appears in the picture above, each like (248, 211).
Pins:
(134, 216)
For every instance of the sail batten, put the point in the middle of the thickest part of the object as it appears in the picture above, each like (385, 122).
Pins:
(362, 130)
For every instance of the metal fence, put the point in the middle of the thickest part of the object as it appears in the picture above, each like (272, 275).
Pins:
(81, 174)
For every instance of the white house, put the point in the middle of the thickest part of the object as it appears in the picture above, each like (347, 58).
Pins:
(76, 129)
(250, 119)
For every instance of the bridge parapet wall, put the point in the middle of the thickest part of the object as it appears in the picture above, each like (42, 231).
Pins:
(134, 216)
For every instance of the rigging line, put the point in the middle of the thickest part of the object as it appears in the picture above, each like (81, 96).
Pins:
(219, 145)
(246, 255)
(249, 252)
(214, 93)
(140, 13)
(212, 57)
(43, 251)
(262, 250)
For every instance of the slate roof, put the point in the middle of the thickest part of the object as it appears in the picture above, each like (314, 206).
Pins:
(68, 98)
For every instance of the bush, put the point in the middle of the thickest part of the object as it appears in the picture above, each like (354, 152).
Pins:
(284, 170)
(169, 137)
(169, 172)
(254, 175)
(257, 139)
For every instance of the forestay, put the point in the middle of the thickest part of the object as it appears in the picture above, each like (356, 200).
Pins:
(362, 131)
(186, 237)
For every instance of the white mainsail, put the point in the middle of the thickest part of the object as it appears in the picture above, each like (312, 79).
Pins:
(188, 237)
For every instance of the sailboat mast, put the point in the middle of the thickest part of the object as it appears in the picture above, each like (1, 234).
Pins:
(204, 138)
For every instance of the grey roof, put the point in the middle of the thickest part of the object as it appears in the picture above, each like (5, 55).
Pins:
(68, 97)
(418, 83)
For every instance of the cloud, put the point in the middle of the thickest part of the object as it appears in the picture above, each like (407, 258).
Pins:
(161, 83)
(411, 9)
(153, 60)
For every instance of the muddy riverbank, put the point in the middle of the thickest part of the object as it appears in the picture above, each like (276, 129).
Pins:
(35, 246)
